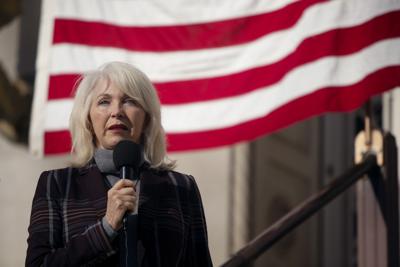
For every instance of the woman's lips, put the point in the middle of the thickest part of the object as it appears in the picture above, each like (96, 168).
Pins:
(118, 127)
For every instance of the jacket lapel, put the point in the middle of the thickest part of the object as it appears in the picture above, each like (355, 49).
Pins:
(92, 186)
(150, 186)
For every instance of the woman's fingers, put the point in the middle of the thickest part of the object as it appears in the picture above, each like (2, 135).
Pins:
(130, 206)
(121, 199)
(127, 191)
(123, 183)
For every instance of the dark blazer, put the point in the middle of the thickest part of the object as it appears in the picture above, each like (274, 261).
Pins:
(65, 226)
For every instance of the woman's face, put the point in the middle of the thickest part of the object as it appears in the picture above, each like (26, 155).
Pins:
(115, 116)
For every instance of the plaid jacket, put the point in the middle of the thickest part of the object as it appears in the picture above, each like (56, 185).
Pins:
(65, 225)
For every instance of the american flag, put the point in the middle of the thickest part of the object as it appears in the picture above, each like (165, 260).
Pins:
(226, 71)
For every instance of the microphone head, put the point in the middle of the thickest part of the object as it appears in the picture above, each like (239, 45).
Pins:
(129, 154)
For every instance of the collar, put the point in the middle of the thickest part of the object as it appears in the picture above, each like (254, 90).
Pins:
(104, 161)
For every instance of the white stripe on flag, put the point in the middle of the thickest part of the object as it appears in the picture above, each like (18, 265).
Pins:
(161, 12)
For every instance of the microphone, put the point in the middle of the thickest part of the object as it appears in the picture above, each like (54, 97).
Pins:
(128, 158)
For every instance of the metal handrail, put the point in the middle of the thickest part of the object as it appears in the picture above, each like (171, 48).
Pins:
(302, 212)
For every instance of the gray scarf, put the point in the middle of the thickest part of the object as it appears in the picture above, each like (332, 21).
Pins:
(105, 163)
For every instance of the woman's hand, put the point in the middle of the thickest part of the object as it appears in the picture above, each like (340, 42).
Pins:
(121, 198)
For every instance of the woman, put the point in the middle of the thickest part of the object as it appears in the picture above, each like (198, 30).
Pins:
(77, 212)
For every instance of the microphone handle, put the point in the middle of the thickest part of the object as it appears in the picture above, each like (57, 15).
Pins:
(128, 172)
(129, 238)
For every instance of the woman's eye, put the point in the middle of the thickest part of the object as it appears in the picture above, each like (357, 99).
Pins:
(130, 101)
(103, 102)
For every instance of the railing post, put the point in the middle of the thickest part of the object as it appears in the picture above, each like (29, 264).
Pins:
(392, 199)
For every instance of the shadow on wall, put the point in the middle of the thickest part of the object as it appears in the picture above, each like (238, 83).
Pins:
(16, 95)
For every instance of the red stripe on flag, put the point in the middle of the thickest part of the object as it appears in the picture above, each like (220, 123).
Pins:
(62, 86)
(57, 142)
(325, 100)
(182, 37)
(336, 42)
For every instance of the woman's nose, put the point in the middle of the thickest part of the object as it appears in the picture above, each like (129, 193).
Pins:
(116, 110)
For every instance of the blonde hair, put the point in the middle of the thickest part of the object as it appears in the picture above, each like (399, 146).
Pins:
(133, 83)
